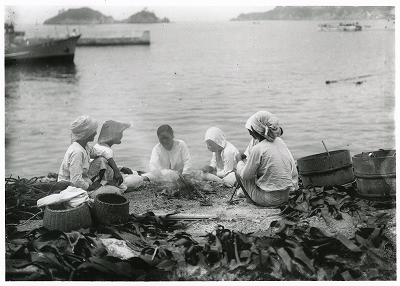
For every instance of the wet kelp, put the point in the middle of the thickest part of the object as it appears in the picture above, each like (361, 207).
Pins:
(287, 250)
(290, 249)
(333, 201)
(21, 196)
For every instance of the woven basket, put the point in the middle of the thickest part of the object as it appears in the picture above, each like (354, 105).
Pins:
(111, 209)
(55, 218)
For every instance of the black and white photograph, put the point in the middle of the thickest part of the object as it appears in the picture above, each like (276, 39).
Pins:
(199, 141)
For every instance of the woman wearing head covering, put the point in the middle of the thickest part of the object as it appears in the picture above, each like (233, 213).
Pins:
(75, 165)
(269, 117)
(269, 172)
(169, 154)
(223, 160)
(104, 166)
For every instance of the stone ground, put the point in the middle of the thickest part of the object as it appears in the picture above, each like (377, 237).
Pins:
(239, 215)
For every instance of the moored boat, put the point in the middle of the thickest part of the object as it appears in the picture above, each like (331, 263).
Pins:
(342, 27)
(19, 49)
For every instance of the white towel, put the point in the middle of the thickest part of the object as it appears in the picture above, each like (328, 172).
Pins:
(72, 196)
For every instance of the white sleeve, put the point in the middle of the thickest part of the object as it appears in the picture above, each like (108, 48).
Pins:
(213, 162)
(154, 160)
(187, 162)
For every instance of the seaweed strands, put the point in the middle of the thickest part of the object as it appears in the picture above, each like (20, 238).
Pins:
(21, 198)
(285, 251)
(189, 188)
(326, 202)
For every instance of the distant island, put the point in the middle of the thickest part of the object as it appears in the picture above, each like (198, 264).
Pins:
(87, 16)
(321, 13)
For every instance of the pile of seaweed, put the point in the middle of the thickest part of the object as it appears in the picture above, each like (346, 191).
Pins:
(190, 188)
(159, 250)
(285, 251)
(333, 201)
(22, 195)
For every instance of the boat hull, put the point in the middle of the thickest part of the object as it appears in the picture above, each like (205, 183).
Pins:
(42, 50)
(340, 28)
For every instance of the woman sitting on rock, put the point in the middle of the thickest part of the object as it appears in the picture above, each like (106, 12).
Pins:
(269, 173)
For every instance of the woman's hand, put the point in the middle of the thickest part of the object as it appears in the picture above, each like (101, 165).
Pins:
(94, 186)
(241, 156)
(118, 178)
(207, 169)
(126, 170)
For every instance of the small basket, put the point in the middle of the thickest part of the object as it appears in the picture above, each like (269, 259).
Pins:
(55, 218)
(111, 209)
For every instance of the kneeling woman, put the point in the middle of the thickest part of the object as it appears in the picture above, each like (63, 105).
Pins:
(269, 173)
(223, 160)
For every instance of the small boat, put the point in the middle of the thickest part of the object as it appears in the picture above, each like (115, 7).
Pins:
(144, 39)
(341, 27)
(19, 49)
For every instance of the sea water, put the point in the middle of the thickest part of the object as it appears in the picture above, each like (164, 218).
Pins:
(195, 75)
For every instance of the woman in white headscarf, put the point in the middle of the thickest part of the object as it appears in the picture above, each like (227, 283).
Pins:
(75, 165)
(223, 160)
(269, 117)
(269, 173)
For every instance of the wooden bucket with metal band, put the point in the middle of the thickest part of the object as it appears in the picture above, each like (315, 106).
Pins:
(322, 170)
(375, 173)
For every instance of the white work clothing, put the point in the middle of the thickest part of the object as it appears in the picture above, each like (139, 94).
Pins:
(75, 165)
(269, 168)
(177, 159)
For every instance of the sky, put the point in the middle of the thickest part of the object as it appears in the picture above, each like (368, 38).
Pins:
(31, 12)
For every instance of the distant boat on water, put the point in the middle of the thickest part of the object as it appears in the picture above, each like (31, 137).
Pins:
(144, 39)
(341, 27)
(19, 49)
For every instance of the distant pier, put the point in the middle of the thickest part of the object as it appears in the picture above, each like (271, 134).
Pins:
(144, 39)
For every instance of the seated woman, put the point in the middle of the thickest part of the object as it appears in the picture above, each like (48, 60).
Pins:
(104, 168)
(269, 173)
(75, 165)
(169, 157)
(223, 160)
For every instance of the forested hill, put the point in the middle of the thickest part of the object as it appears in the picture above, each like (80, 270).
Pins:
(321, 13)
(79, 16)
(88, 16)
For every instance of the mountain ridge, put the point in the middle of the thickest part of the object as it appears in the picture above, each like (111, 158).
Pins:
(321, 13)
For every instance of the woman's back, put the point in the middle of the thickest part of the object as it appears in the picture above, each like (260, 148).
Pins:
(275, 164)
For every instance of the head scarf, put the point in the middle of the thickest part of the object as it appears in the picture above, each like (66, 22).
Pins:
(266, 124)
(83, 127)
(110, 130)
(215, 134)
(248, 122)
